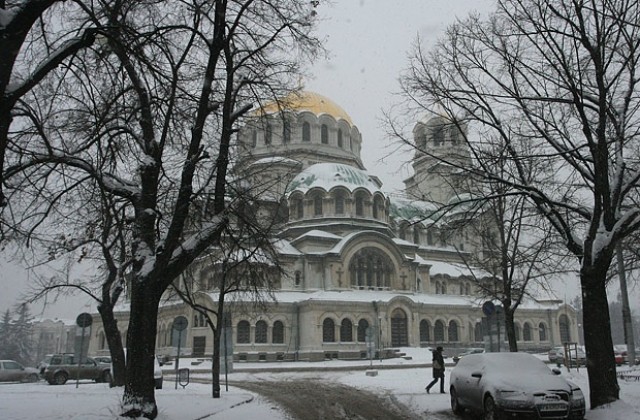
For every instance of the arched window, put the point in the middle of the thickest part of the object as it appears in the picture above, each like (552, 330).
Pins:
(328, 331)
(438, 135)
(298, 278)
(565, 332)
(478, 332)
(299, 206)
(454, 132)
(453, 331)
(339, 202)
(444, 288)
(416, 235)
(359, 205)
(102, 342)
(317, 205)
(278, 332)
(286, 131)
(402, 233)
(526, 332)
(462, 288)
(363, 324)
(306, 131)
(438, 332)
(429, 238)
(424, 331)
(516, 329)
(438, 288)
(243, 332)
(542, 331)
(261, 332)
(268, 134)
(399, 328)
(340, 138)
(468, 289)
(346, 330)
(196, 320)
(324, 134)
(370, 268)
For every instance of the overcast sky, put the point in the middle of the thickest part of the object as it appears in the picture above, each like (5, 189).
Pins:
(368, 43)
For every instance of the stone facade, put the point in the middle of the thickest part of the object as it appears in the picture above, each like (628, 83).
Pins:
(358, 265)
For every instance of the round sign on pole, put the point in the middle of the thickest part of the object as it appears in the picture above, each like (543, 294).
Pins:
(488, 308)
(180, 323)
(84, 320)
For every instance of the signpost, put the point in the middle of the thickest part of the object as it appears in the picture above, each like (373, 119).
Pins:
(84, 320)
(179, 324)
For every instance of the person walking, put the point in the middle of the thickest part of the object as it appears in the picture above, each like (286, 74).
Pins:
(438, 370)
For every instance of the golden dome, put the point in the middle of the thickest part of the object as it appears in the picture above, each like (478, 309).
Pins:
(308, 101)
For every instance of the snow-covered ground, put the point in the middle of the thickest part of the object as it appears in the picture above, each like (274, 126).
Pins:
(92, 401)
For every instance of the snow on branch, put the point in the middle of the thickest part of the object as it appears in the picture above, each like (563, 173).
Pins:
(67, 49)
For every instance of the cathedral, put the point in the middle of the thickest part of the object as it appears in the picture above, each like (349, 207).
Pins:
(361, 272)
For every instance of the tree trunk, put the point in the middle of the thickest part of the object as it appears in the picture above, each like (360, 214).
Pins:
(601, 365)
(215, 366)
(221, 320)
(510, 329)
(139, 390)
(114, 341)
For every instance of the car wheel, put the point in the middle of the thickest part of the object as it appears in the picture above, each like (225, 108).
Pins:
(33, 378)
(455, 405)
(490, 412)
(106, 377)
(60, 378)
(158, 383)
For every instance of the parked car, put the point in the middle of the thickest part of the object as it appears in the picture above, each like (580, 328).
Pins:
(514, 385)
(553, 354)
(157, 373)
(158, 377)
(12, 371)
(103, 360)
(466, 352)
(577, 356)
(44, 363)
(63, 367)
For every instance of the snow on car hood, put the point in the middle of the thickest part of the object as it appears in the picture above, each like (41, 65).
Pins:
(504, 381)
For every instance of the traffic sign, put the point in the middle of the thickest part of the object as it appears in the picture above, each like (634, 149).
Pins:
(84, 320)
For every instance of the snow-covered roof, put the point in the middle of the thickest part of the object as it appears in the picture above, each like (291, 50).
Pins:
(412, 210)
(388, 296)
(284, 247)
(330, 175)
(275, 160)
(455, 270)
(316, 233)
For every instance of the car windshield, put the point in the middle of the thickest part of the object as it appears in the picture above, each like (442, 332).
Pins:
(517, 363)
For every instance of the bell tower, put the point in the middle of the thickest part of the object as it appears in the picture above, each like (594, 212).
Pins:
(441, 154)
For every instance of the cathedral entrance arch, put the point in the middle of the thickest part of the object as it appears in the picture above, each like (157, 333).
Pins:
(399, 328)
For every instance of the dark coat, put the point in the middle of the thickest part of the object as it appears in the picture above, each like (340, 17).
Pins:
(438, 364)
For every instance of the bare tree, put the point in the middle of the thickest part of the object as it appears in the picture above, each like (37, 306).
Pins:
(96, 236)
(243, 267)
(28, 54)
(173, 87)
(559, 76)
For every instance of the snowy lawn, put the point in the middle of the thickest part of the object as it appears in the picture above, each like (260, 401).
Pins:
(97, 401)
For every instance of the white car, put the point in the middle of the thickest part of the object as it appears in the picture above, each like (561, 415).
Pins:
(12, 371)
(513, 385)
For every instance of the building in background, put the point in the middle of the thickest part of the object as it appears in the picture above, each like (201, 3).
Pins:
(361, 270)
